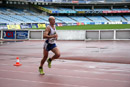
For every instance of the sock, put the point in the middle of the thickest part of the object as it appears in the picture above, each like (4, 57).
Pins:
(40, 67)
(50, 59)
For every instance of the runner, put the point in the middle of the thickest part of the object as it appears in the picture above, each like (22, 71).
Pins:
(49, 45)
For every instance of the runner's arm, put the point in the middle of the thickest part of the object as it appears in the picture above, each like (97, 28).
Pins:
(46, 32)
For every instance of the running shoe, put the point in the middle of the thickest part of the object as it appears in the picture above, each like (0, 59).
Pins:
(41, 71)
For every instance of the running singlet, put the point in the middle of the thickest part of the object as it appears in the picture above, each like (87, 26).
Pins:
(52, 32)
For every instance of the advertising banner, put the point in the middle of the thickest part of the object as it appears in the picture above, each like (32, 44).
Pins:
(3, 27)
(82, 23)
(97, 12)
(124, 23)
(40, 0)
(78, 23)
(74, 24)
(59, 24)
(34, 26)
(117, 11)
(74, 1)
(13, 26)
(21, 34)
(9, 34)
(1, 24)
(25, 26)
(64, 24)
(80, 12)
(41, 25)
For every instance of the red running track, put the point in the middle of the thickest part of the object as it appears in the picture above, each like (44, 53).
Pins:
(82, 64)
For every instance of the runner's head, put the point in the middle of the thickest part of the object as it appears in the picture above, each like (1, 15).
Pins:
(52, 20)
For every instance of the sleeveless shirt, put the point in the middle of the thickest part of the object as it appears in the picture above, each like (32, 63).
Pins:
(52, 32)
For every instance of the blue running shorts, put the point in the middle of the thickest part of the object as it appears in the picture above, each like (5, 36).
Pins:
(49, 46)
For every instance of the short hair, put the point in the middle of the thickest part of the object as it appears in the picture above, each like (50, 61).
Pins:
(51, 17)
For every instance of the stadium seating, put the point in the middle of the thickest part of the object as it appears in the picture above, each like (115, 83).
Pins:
(115, 18)
(65, 19)
(114, 0)
(82, 9)
(8, 19)
(128, 18)
(54, 10)
(14, 15)
(120, 9)
(101, 9)
(68, 10)
(127, 0)
(97, 18)
(60, 10)
(2, 20)
(81, 19)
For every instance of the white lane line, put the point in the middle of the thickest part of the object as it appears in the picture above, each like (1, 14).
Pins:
(49, 83)
(86, 78)
(94, 67)
(94, 72)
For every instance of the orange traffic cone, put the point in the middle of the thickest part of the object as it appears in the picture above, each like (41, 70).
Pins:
(17, 62)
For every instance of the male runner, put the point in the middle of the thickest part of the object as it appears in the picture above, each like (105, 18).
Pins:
(49, 45)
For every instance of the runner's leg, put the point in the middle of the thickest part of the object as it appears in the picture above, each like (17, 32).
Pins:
(56, 52)
(45, 56)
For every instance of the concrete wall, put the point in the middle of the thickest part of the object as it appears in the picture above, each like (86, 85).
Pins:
(70, 34)
(36, 35)
(123, 34)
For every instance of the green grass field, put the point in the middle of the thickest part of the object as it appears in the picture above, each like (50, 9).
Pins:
(94, 27)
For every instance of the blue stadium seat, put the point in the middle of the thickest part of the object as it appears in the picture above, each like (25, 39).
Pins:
(81, 19)
(114, 0)
(128, 18)
(97, 18)
(115, 18)
(65, 19)
(120, 9)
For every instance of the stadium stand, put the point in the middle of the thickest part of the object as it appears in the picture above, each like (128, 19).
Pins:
(20, 16)
(68, 10)
(114, 0)
(120, 9)
(65, 19)
(60, 10)
(64, 14)
(127, 18)
(115, 18)
(81, 19)
(101, 9)
(97, 18)
(82, 9)
(127, 0)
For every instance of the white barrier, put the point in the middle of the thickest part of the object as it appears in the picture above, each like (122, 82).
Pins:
(36, 35)
(123, 34)
(71, 34)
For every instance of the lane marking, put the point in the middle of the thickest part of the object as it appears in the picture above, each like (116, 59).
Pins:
(66, 76)
(95, 72)
(49, 83)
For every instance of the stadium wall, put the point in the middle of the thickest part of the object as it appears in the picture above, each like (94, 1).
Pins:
(71, 34)
(67, 34)
(123, 34)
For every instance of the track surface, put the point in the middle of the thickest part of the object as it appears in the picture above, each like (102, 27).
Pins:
(82, 64)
